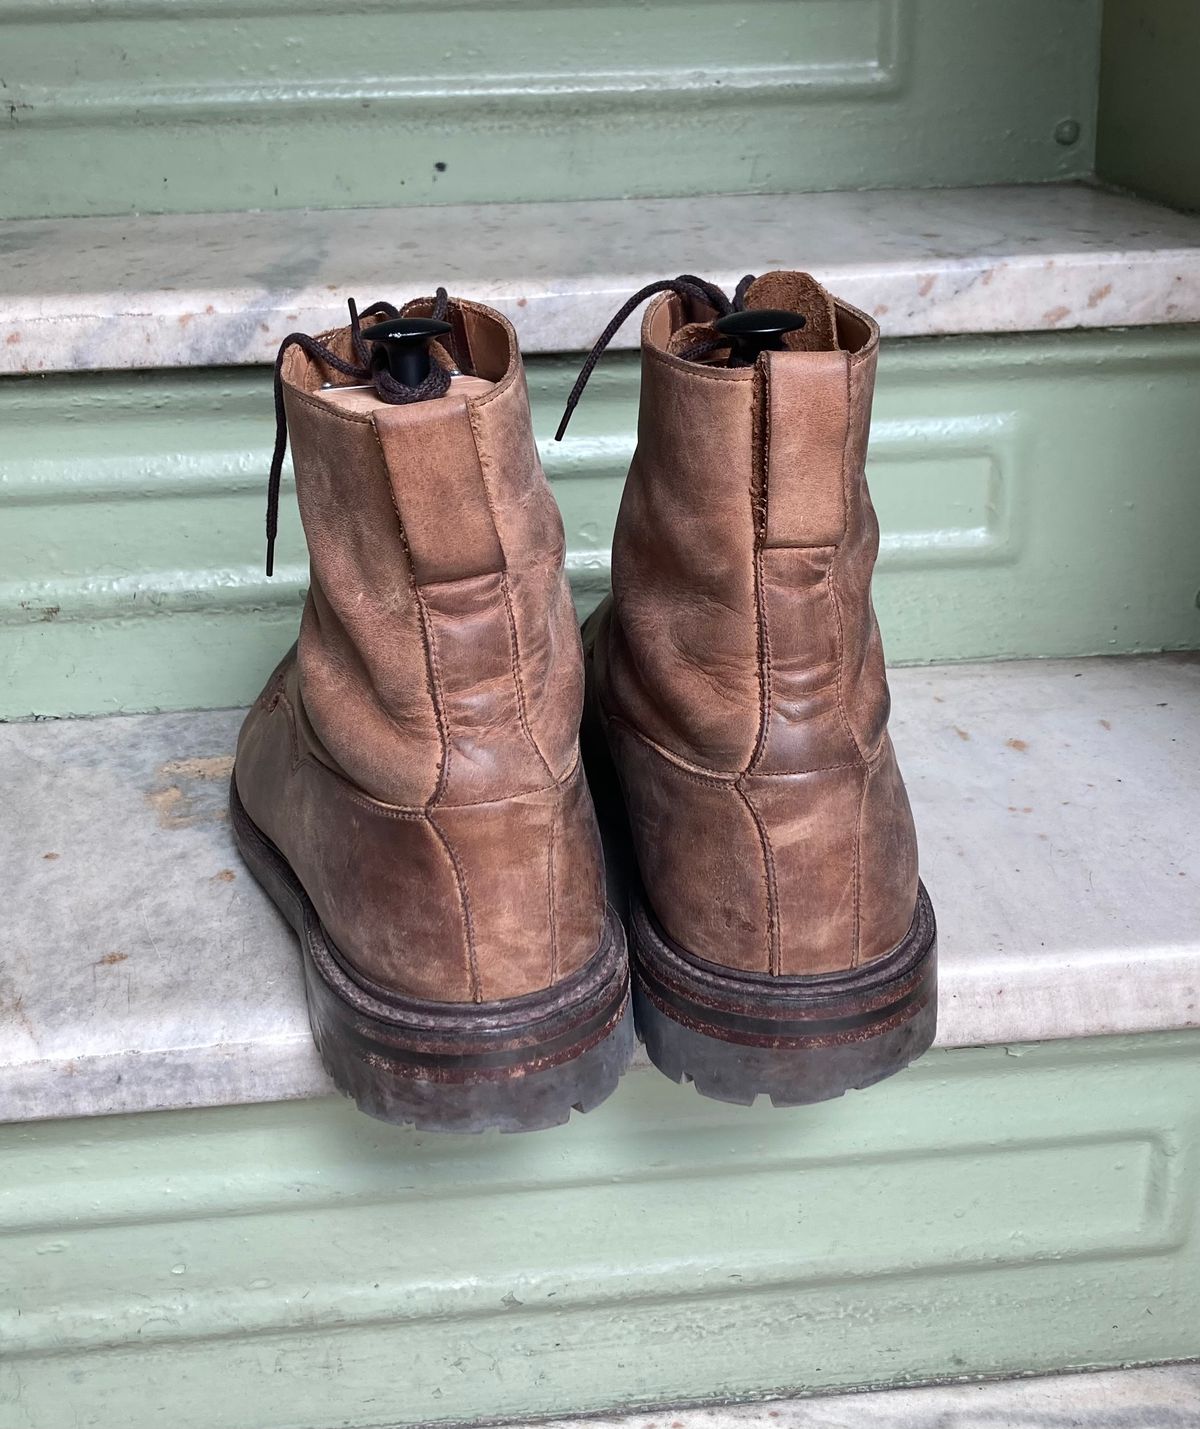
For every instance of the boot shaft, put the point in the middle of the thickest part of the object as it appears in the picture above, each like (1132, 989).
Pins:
(416, 760)
(437, 598)
(745, 544)
(740, 667)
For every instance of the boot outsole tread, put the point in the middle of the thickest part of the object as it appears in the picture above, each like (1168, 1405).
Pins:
(520, 1064)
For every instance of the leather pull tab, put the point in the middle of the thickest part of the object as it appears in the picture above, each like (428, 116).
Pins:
(807, 424)
(437, 484)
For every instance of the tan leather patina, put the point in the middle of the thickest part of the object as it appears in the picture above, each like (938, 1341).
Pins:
(738, 663)
(415, 758)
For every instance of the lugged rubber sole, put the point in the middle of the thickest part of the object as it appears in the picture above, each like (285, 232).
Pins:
(796, 1040)
(521, 1064)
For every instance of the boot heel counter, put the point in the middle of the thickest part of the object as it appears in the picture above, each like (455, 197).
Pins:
(471, 903)
(531, 877)
(842, 856)
(699, 853)
(811, 873)
(887, 859)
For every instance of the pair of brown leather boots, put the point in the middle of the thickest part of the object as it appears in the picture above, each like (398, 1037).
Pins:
(409, 787)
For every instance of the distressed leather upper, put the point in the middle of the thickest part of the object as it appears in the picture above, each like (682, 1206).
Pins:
(416, 757)
(738, 664)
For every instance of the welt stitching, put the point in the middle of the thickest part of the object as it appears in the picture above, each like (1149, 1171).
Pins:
(769, 878)
(468, 920)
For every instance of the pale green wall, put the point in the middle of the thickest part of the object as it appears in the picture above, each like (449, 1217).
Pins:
(989, 1211)
(186, 105)
(1038, 496)
(1149, 122)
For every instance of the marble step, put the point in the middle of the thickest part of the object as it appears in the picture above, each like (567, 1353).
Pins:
(142, 968)
(1162, 1397)
(216, 289)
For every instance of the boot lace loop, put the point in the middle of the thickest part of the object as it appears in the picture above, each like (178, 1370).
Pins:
(687, 285)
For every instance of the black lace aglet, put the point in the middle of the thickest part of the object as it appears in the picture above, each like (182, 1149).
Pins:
(270, 555)
(562, 426)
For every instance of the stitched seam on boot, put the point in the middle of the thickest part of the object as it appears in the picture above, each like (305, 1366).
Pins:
(766, 690)
(856, 950)
(439, 704)
(514, 655)
(439, 697)
(432, 682)
(397, 811)
(473, 408)
(708, 776)
(326, 410)
(759, 512)
(841, 679)
(465, 898)
(694, 369)
(688, 771)
(841, 664)
(298, 761)
(553, 914)
(774, 955)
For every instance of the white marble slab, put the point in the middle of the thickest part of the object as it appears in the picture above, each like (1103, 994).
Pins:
(184, 291)
(1165, 1397)
(141, 967)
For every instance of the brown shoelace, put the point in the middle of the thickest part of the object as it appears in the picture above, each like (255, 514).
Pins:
(687, 285)
(361, 371)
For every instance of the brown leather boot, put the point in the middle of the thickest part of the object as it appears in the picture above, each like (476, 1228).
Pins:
(781, 940)
(408, 786)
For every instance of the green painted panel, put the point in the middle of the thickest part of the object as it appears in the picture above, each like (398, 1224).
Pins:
(297, 1266)
(1149, 121)
(1038, 496)
(197, 105)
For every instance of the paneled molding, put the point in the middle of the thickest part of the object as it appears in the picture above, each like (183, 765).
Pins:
(297, 1264)
(131, 541)
(204, 106)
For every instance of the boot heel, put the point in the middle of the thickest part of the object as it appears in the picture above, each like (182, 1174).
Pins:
(521, 1064)
(796, 1040)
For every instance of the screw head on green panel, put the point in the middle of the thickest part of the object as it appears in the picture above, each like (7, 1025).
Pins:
(1067, 132)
